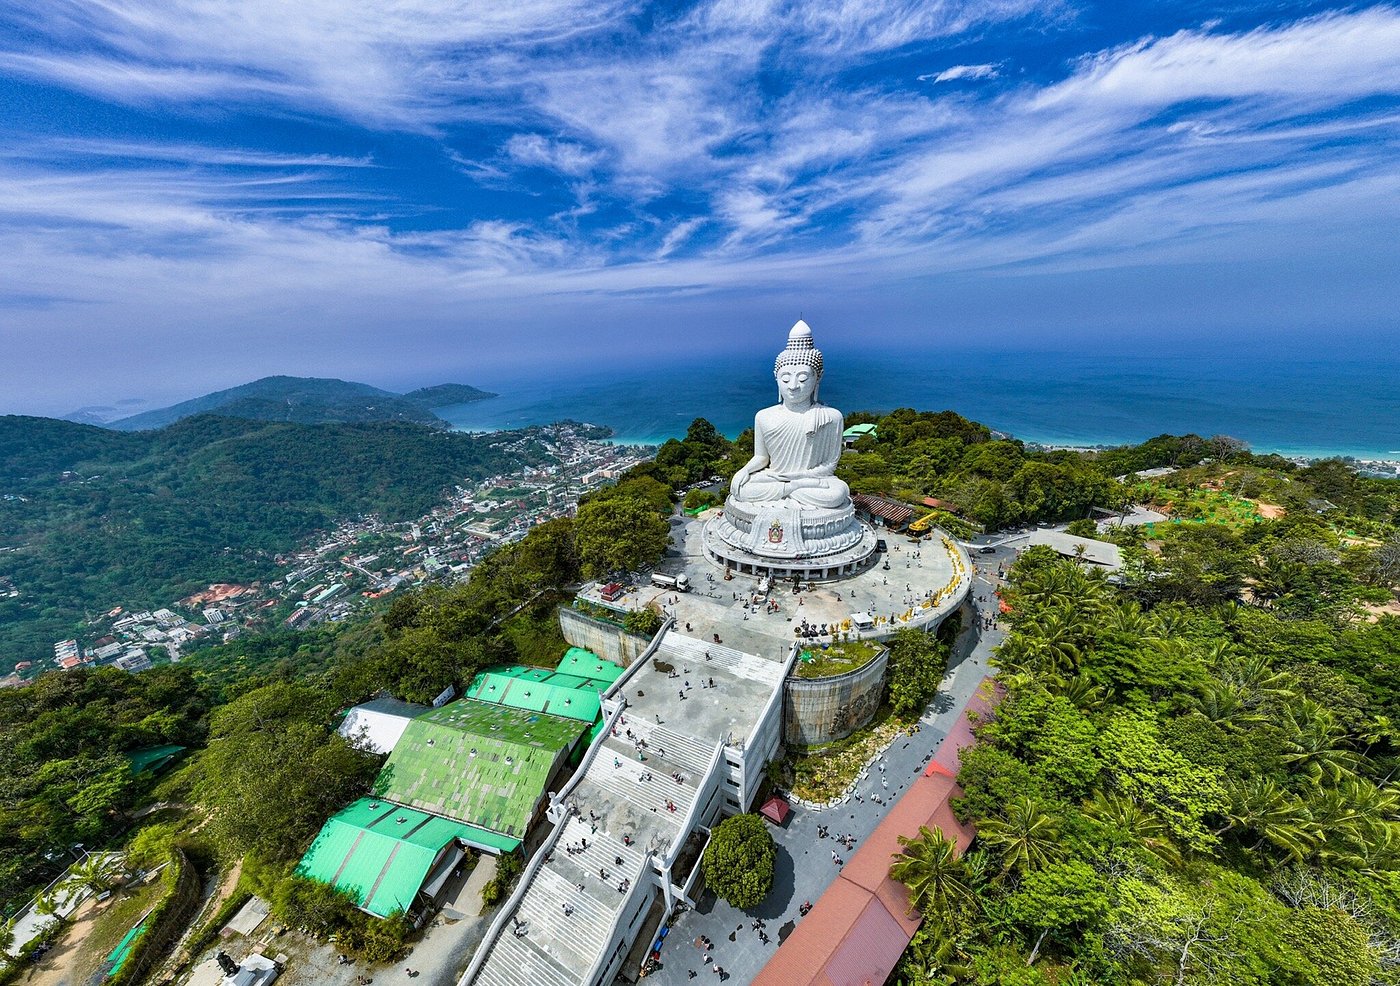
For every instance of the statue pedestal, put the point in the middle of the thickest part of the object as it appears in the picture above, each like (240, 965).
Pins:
(784, 540)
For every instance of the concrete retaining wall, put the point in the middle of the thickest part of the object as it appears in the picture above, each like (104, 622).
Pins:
(612, 643)
(820, 710)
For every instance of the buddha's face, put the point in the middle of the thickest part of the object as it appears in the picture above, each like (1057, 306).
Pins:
(796, 385)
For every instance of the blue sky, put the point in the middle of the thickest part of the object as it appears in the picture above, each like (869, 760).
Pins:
(193, 193)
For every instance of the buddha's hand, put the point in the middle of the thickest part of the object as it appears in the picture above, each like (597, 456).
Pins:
(737, 482)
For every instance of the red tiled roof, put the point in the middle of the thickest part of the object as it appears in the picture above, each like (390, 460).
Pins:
(892, 511)
(858, 929)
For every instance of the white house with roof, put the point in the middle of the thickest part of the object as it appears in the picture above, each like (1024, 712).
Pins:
(378, 724)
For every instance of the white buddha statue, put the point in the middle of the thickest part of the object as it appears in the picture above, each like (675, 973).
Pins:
(796, 443)
(787, 512)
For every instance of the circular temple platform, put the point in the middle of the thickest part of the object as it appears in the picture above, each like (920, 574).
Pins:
(853, 556)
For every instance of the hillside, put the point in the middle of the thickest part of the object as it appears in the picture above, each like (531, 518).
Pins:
(309, 400)
(91, 516)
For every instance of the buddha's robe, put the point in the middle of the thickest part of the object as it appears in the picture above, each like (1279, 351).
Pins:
(802, 449)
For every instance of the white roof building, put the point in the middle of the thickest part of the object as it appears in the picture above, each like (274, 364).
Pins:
(378, 724)
(1088, 550)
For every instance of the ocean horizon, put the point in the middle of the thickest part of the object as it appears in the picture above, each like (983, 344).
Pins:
(1314, 408)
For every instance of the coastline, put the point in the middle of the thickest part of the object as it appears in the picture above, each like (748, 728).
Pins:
(1315, 409)
(1311, 454)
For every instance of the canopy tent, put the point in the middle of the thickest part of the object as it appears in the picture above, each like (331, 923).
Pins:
(776, 810)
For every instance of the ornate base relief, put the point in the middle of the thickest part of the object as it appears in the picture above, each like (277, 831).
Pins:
(783, 532)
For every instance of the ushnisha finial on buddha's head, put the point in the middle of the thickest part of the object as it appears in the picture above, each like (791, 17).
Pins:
(796, 443)
(800, 351)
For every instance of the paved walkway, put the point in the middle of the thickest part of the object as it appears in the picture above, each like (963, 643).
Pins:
(804, 865)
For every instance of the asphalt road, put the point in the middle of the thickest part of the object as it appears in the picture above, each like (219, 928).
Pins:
(804, 866)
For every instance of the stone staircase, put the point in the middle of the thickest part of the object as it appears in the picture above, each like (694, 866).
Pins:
(555, 948)
(517, 962)
(690, 756)
(613, 801)
(622, 784)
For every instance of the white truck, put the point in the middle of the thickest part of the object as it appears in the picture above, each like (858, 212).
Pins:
(677, 583)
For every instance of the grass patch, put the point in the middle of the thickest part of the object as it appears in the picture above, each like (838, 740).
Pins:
(836, 659)
(110, 927)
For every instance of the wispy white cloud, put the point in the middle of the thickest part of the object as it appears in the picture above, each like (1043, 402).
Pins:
(70, 149)
(712, 150)
(563, 156)
(989, 70)
(385, 65)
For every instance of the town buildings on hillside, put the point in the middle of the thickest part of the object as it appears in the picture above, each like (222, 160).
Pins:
(359, 561)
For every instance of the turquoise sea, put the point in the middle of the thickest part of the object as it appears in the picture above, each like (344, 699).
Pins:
(1310, 407)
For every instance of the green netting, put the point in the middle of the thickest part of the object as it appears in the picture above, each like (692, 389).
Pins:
(152, 757)
(118, 956)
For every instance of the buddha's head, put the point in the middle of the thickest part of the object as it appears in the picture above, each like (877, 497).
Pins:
(798, 369)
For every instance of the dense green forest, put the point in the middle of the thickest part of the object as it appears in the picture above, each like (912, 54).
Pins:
(259, 711)
(1182, 789)
(97, 518)
(64, 779)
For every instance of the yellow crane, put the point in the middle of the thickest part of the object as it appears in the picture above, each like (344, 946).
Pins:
(921, 526)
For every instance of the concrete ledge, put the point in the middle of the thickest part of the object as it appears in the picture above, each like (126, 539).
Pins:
(822, 710)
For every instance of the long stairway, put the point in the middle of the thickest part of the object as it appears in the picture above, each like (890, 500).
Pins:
(548, 945)
(628, 806)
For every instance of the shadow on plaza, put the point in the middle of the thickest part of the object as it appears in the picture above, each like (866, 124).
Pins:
(784, 886)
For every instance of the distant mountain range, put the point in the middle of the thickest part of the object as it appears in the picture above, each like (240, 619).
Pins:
(303, 400)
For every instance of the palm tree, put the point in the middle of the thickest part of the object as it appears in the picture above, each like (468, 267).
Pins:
(1226, 705)
(1315, 742)
(1378, 730)
(1276, 815)
(1053, 642)
(47, 904)
(1084, 693)
(1168, 621)
(1378, 855)
(1256, 678)
(1129, 618)
(94, 872)
(1122, 813)
(1052, 588)
(1026, 838)
(1357, 817)
(929, 867)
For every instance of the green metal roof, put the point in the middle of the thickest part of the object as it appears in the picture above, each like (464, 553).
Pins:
(856, 431)
(586, 664)
(572, 691)
(535, 696)
(479, 763)
(522, 671)
(379, 852)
